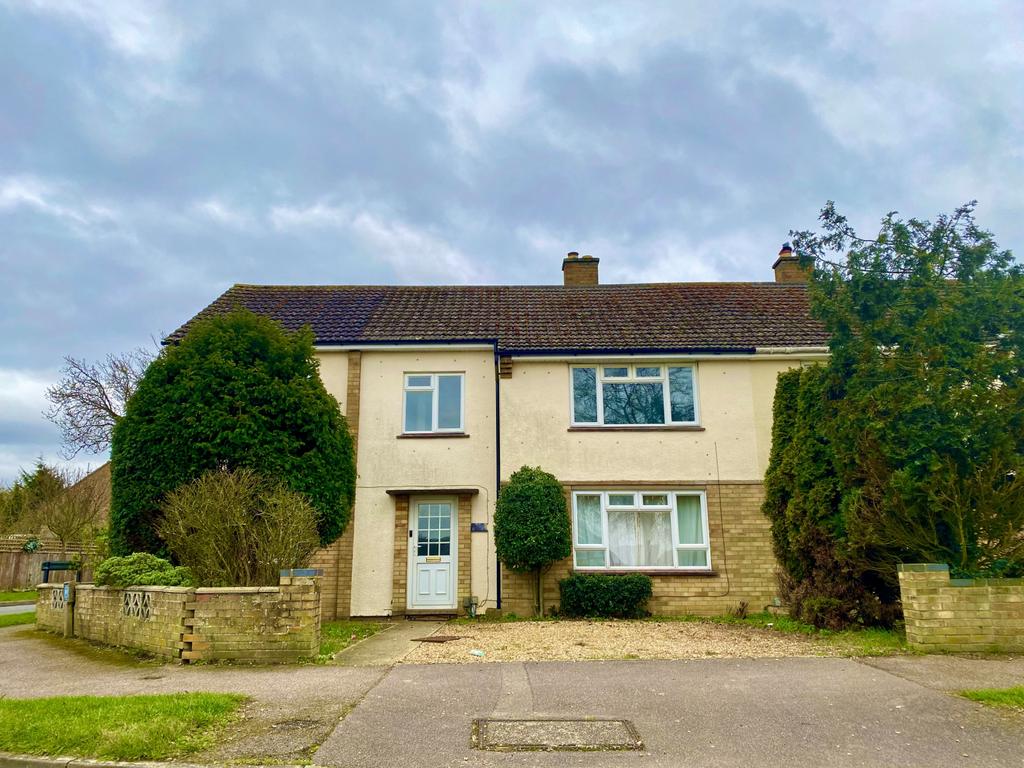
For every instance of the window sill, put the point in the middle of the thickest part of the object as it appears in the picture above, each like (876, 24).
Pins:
(640, 428)
(430, 435)
(674, 572)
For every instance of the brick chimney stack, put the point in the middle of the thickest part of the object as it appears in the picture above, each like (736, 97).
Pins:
(787, 267)
(579, 271)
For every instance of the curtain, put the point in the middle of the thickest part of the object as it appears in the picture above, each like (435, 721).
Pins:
(688, 520)
(588, 520)
(622, 543)
(655, 538)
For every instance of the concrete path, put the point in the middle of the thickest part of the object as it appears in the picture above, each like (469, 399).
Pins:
(17, 608)
(722, 712)
(388, 647)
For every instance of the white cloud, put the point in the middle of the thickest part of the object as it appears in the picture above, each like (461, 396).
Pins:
(288, 218)
(56, 200)
(224, 213)
(133, 29)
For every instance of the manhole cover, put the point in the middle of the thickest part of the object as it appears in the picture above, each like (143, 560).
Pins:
(508, 735)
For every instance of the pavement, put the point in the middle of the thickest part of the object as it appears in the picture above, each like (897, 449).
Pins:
(26, 607)
(714, 712)
(388, 647)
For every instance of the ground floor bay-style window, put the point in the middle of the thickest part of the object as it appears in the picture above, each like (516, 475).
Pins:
(640, 530)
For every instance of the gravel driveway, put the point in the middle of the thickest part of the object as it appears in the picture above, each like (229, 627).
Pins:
(582, 640)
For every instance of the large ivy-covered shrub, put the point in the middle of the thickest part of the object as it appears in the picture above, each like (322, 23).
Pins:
(605, 595)
(237, 391)
(141, 569)
(531, 524)
(237, 529)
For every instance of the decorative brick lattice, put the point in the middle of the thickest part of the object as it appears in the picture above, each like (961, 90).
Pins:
(137, 604)
(57, 599)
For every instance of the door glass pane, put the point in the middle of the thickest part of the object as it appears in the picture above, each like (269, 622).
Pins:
(418, 406)
(655, 542)
(590, 558)
(622, 538)
(449, 402)
(584, 395)
(418, 381)
(633, 403)
(680, 392)
(648, 371)
(694, 558)
(588, 520)
(688, 520)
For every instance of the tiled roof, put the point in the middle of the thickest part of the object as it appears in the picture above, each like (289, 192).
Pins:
(539, 318)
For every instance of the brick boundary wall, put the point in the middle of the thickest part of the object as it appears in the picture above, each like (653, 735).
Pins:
(743, 566)
(250, 624)
(969, 615)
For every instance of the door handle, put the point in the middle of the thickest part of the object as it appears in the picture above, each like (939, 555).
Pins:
(410, 533)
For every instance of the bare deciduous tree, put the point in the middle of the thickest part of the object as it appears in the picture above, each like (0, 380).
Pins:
(90, 398)
(74, 508)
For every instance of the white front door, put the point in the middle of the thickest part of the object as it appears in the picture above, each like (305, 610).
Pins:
(432, 553)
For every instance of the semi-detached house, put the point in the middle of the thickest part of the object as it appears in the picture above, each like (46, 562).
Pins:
(651, 403)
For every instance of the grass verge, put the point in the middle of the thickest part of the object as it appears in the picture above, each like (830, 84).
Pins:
(116, 727)
(14, 619)
(1012, 698)
(17, 597)
(336, 636)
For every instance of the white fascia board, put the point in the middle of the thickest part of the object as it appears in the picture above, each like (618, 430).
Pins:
(776, 353)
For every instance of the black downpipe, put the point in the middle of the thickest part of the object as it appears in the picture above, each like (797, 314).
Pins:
(497, 454)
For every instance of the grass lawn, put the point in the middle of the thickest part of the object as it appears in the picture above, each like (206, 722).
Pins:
(115, 727)
(336, 636)
(17, 597)
(867, 641)
(998, 697)
(14, 619)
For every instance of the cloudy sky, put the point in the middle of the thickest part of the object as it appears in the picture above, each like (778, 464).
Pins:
(153, 154)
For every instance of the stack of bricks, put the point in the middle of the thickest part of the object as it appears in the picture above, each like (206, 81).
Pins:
(970, 615)
(252, 624)
(742, 564)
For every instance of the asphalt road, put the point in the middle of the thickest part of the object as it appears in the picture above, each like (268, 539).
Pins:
(16, 608)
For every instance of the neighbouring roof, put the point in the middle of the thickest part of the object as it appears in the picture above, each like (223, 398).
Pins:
(538, 319)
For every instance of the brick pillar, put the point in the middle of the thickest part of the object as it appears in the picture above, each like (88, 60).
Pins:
(400, 573)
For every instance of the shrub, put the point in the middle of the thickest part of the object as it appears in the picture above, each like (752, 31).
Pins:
(237, 391)
(141, 569)
(235, 528)
(531, 524)
(617, 596)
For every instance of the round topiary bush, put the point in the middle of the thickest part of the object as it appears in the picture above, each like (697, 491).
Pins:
(141, 569)
(237, 391)
(531, 524)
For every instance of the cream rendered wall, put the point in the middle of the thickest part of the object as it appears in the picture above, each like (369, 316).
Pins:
(387, 462)
(334, 374)
(735, 409)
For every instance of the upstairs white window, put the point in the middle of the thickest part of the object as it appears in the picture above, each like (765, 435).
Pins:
(433, 403)
(641, 530)
(646, 394)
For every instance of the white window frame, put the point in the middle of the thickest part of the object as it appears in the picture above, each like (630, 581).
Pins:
(638, 505)
(632, 378)
(433, 388)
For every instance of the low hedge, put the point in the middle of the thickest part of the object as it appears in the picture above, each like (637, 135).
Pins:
(141, 569)
(617, 596)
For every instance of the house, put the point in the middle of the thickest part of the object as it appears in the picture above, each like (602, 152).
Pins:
(651, 403)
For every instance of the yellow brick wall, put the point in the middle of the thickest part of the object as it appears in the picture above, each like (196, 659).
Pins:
(743, 566)
(976, 615)
(254, 624)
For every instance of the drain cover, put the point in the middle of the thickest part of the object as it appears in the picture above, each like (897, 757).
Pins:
(508, 735)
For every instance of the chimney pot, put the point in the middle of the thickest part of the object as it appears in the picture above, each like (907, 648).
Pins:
(787, 267)
(573, 255)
